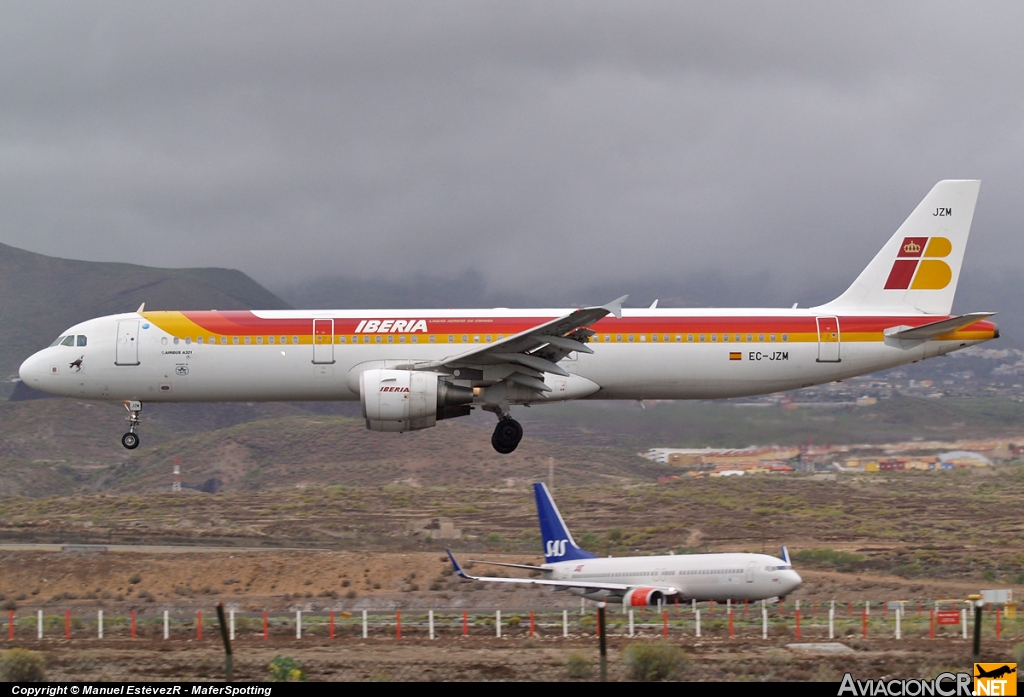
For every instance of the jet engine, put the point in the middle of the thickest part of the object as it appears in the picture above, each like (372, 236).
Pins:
(643, 597)
(408, 400)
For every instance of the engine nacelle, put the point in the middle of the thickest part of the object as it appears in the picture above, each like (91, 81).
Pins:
(643, 597)
(408, 400)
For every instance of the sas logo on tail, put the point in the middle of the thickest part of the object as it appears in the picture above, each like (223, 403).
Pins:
(555, 548)
(918, 265)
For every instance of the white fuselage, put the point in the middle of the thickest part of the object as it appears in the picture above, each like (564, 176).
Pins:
(318, 355)
(719, 577)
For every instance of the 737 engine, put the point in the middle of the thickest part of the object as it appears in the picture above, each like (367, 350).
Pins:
(643, 597)
(408, 400)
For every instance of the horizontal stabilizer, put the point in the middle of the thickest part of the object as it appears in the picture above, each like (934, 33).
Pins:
(936, 329)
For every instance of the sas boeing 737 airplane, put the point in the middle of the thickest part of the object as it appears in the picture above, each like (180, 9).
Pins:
(642, 581)
(411, 368)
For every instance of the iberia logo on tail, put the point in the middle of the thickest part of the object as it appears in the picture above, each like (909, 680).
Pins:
(918, 265)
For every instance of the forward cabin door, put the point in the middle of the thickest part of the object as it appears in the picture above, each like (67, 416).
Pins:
(750, 572)
(828, 339)
(127, 342)
(323, 341)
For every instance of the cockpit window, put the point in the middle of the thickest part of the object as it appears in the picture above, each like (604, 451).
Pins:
(57, 341)
(69, 340)
(81, 340)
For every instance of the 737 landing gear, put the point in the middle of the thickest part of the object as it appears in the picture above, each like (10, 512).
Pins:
(507, 435)
(130, 440)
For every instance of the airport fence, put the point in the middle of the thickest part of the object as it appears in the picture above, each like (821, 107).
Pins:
(798, 621)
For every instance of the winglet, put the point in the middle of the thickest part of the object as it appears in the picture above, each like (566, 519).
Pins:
(615, 306)
(141, 309)
(458, 569)
(785, 555)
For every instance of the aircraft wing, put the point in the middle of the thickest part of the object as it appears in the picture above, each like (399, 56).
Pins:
(935, 329)
(667, 590)
(537, 350)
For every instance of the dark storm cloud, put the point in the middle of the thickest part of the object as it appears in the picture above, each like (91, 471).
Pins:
(534, 144)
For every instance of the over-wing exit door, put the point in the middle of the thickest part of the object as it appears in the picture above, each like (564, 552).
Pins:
(323, 341)
(828, 340)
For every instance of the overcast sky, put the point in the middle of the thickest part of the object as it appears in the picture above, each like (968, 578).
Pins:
(535, 143)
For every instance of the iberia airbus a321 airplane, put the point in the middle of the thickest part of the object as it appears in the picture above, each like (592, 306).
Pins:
(411, 368)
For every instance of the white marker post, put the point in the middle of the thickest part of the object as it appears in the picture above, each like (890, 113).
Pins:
(565, 623)
(365, 628)
(832, 621)
(39, 624)
(697, 616)
(764, 620)
(631, 622)
(99, 624)
(497, 623)
(231, 623)
(898, 613)
(430, 622)
(298, 624)
(963, 621)
(167, 625)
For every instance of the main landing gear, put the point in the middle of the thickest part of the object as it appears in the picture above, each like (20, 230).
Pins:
(507, 434)
(130, 440)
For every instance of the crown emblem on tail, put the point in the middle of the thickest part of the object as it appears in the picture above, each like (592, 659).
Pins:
(911, 247)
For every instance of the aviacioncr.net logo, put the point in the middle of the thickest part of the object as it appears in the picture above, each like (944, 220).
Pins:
(944, 685)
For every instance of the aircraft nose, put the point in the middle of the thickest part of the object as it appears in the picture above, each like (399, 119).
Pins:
(32, 371)
(794, 581)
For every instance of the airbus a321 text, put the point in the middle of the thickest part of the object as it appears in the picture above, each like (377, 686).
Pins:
(411, 368)
(643, 581)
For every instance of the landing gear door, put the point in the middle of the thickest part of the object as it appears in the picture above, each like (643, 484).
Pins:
(127, 342)
(323, 341)
(828, 339)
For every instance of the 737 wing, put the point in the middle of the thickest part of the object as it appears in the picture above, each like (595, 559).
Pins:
(666, 590)
(535, 351)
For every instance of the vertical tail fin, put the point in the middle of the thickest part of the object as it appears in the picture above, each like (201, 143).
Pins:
(557, 540)
(918, 268)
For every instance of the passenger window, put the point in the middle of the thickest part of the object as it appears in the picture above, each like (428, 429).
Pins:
(433, 339)
(199, 339)
(223, 341)
(654, 337)
(188, 340)
(785, 337)
(81, 340)
(630, 337)
(750, 337)
(295, 339)
(234, 340)
(702, 337)
(270, 339)
(259, 340)
(773, 337)
(760, 337)
(69, 340)
(451, 338)
(607, 337)
(714, 337)
(618, 337)
(465, 338)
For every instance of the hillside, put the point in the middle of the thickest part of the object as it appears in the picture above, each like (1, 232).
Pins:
(44, 295)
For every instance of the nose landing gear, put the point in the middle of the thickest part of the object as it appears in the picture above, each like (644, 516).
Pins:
(507, 434)
(130, 440)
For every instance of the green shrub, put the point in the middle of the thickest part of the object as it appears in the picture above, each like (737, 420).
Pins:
(579, 666)
(20, 665)
(284, 669)
(653, 661)
(134, 578)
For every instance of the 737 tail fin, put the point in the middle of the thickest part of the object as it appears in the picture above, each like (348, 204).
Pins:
(918, 268)
(557, 540)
